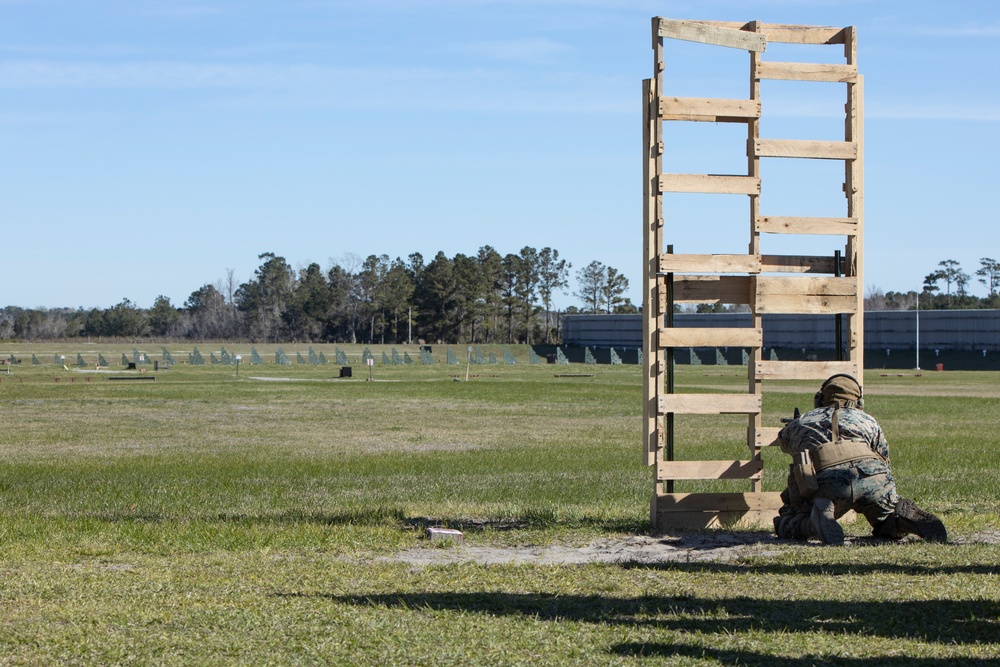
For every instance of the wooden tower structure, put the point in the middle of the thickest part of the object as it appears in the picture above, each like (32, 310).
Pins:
(767, 283)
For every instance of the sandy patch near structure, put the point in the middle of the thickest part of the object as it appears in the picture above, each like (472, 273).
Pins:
(709, 546)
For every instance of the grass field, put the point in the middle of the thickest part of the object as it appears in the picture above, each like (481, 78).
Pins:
(216, 517)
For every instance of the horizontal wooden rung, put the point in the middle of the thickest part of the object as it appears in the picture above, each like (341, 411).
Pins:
(788, 304)
(799, 264)
(710, 337)
(802, 34)
(707, 289)
(803, 225)
(803, 370)
(710, 184)
(808, 295)
(708, 109)
(807, 285)
(767, 436)
(725, 502)
(706, 33)
(709, 470)
(710, 404)
(807, 72)
(694, 263)
(797, 148)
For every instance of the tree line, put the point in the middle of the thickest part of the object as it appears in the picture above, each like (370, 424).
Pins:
(945, 288)
(482, 298)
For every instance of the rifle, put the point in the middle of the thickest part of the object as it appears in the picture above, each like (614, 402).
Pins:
(795, 415)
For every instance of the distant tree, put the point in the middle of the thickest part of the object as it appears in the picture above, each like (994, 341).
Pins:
(989, 272)
(591, 280)
(207, 316)
(613, 290)
(162, 316)
(125, 320)
(553, 274)
(263, 299)
(307, 310)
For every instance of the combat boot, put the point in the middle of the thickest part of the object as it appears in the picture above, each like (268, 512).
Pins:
(912, 519)
(824, 522)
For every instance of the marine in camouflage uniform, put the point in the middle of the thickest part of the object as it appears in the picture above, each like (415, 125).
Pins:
(846, 460)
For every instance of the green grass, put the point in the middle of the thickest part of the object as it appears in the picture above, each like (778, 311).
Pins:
(210, 518)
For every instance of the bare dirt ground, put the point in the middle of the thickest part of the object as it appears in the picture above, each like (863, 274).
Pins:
(708, 546)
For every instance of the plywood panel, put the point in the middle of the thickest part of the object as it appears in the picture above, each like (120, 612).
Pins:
(807, 72)
(710, 404)
(710, 184)
(711, 337)
(706, 33)
(691, 263)
(709, 470)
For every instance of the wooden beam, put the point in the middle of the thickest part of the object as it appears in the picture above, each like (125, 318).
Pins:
(709, 289)
(802, 34)
(797, 264)
(807, 72)
(775, 224)
(810, 304)
(705, 33)
(804, 370)
(692, 263)
(767, 436)
(710, 404)
(710, 184)
(709, 470)
(708, 109)
(807, 286)
(797, 148)
(727, 502)
(711, 337)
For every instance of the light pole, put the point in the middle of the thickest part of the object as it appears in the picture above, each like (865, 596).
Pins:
(918, 331)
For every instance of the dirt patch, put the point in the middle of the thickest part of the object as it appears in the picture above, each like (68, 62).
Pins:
(717, 547)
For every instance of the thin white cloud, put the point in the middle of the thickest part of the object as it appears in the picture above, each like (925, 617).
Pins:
(530, 50)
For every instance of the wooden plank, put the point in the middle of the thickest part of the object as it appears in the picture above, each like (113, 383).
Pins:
(797, 264)
(767, 436)
(804, 370)
(711, 337)
(795, 304)
(798, 148)
(710, 184)
(709, 470)
(709, 289)
(708, 109)
(807, 72)
(705, 33)
(775, 224)
(706, 502)
(806, 286)
(692, 263)
(710, 404)
(802, 34)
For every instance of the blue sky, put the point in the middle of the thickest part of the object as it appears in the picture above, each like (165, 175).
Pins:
(151, 145)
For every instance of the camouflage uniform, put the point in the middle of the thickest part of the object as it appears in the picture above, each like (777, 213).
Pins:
(864, 485)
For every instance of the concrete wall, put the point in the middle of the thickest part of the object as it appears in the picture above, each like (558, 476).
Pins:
(969, 330)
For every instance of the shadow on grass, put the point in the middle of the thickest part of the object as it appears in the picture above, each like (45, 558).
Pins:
(940, 621)
(391, 516)
(734, 657)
